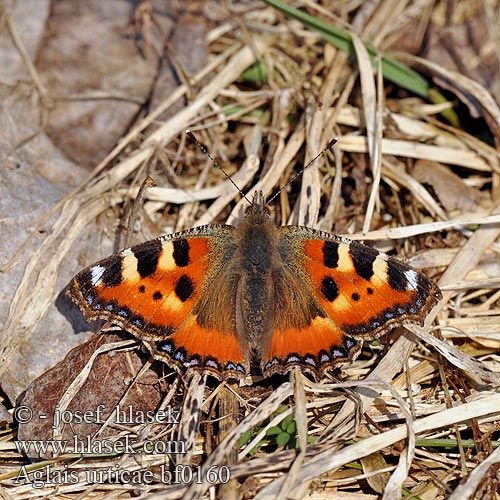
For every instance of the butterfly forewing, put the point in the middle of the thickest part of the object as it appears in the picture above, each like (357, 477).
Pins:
(365, 291)
(155, 289)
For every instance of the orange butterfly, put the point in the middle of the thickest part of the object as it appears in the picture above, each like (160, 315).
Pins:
(217, 298)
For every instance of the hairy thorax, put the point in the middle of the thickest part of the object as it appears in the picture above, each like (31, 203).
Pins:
(257, 258)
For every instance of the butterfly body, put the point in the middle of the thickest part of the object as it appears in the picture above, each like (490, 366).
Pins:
(220, 298)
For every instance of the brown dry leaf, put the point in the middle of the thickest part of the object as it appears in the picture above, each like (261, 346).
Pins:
(186, 54)
(98, 397)
(451, 190)
(373, 464)
(34, 176)
(98, 80)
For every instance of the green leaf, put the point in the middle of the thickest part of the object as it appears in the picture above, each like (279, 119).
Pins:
(282, 439)
(245, 438)
(291, 428)
(289, 419)
(256, 73)
(273, 431)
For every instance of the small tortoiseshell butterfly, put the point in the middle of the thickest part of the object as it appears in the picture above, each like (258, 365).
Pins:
(218, 297)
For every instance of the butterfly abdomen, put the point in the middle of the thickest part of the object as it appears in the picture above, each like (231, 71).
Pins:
(257, 258)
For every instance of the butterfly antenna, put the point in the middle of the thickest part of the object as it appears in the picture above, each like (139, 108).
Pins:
(322, 152)
(204, 149)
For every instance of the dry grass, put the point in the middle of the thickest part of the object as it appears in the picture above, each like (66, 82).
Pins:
(416, 417)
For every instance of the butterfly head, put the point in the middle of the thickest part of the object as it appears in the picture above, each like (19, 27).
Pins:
(258, 211)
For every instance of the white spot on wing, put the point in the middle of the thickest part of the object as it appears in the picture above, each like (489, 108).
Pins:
(412, 278)
(96, 273)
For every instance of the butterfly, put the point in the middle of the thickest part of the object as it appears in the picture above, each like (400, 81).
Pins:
(222, 299)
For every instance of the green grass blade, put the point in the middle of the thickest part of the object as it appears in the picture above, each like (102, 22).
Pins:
(393, 70)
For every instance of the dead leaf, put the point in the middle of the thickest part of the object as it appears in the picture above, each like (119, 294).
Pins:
(107, 381)
(451, 190)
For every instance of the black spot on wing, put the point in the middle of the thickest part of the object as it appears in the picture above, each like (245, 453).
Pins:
(363, 258)
(122, 311)
(157, 295)
(331, 254)
(184, 288)
(315, 362)
(181, 252)
(147, 255)
(138, 322)
(329, 288)
(179, 355)
(112, 275)
(397, 277)
(84, 282)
